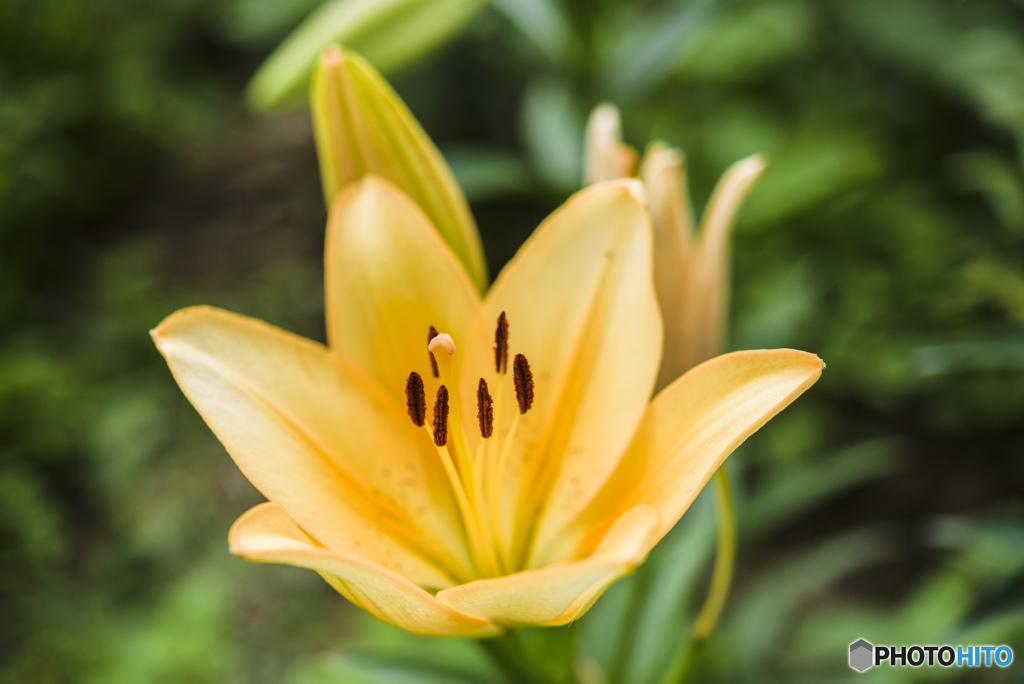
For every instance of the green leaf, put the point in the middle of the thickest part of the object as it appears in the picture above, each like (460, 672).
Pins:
(791, 494)
(755, 37)
(810, 167)
(484, 172)
(633, 631)
(782, 305)
(389, 33)
(553, 122)
(644, 49)
(264, 21)
(977, 55)
(997, 180)
(549, 652)
(366, 669)
(542, 23)
(771, 602)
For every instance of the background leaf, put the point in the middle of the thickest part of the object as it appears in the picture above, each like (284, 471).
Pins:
(389, 33)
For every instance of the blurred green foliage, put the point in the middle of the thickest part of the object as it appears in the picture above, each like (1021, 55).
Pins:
(390, 34)
(887, 236)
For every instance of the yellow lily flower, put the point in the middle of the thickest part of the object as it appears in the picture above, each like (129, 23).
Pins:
(691, 267)
(362, 127)
(457, 464)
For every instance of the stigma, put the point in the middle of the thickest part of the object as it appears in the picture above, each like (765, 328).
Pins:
(442, 340)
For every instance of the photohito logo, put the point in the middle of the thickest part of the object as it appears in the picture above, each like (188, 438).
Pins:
(861, 657)
(864, 655)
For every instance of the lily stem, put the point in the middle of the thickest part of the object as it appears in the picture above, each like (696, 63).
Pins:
(721, 577)
(507, 653)
(725, 560)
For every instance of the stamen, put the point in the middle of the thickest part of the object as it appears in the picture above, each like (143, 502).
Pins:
(431, 334)
(484, 409)
(416, 399)
(441, 417)
(501, 345)
(523, 377)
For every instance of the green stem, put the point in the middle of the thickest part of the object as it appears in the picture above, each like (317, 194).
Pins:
(721, 577)
(506, 652)
(725, 560)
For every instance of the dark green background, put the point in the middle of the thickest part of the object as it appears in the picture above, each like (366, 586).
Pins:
(887, 236)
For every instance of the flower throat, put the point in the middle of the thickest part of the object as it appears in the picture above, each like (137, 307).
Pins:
(475, 475)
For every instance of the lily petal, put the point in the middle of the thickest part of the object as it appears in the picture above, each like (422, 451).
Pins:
(558, 594)
(389, 278)
(267, 534)
(580, 302)
(693, 425)
(664, 175)
(274, 399)
(362, 127)
(605, 157)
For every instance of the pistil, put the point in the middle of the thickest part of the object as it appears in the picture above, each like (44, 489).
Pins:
(442, 349)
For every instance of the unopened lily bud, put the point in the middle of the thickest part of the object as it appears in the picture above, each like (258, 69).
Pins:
(664, 176)
(605, 156)
(363, 128)
(692, 272)
(691, 267)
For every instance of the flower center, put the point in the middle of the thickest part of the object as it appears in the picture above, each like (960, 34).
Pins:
(475, 474)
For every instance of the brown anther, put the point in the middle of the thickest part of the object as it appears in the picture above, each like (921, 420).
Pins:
(523, 377)
(431, 334)
(416, 399)
(441, 417)
(484, 409)
(501, 345)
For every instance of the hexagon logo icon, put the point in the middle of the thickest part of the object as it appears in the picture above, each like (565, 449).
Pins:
(861, 655)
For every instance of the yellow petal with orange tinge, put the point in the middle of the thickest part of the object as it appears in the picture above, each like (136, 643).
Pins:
(267, 534)
(390, 277)
(558, 594)
(362, 127)
(693, 425)
(313, 433)
(579, 297)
